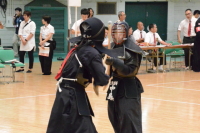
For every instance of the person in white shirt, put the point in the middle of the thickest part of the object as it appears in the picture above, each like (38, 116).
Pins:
(151, 39)
(187, 28)
(196, 14)
(105, 42)
(46, 40)
(139, 34)
(27, 36)
(75, 28)
(121, 16)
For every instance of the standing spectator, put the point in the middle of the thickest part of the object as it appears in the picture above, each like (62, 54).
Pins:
(196, 14)
(196, 49)
(139, 34)
(152, 38)
(17, 19)
(76, 25)
(121, 16)
(91, 13)
(187, 27)
(46, 40)
(27, 36)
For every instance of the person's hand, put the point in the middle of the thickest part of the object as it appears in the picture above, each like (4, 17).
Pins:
(150, 44)
(142, 39)
(109, 60)
(24, 42)
(41, 43)
(168, 44)
(180, 41)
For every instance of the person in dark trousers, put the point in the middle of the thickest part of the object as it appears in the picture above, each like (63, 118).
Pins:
(71, 112)
(187, 27)
(196, 48)
(17, 19)
(124, 93)
(46, 40)
(27, 36)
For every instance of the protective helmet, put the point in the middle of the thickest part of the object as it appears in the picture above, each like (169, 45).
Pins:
(93, 29)
(119, 32)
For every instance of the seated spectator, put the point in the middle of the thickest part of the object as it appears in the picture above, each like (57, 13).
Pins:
(139, 34)
(152, 38)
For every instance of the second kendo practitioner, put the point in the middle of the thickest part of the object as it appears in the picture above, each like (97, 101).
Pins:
(124, 93)
(71, 112)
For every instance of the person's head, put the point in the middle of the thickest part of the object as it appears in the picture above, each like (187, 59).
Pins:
(91, 12)
(18, 11)
(188, 13)
(196, 13)
(140, 26)
(106, 31)
(26, 15)
(119, 32)
(130, 30)
(121, 15)
(84, 14)
(153, 28)
(46, 19)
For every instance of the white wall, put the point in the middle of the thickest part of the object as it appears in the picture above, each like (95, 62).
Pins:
(176, 9)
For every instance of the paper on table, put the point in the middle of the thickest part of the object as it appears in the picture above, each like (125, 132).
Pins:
(44, 51)
(161, 46)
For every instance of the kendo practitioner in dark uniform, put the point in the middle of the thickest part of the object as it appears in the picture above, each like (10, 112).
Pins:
(124, 92)
(196, 48)
(71, 112)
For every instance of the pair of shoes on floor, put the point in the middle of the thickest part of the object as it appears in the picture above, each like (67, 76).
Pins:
(46, 73)
(20, 70)
(29, 71)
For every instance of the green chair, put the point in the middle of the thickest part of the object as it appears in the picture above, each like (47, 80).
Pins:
(7, 58)
(174, 54)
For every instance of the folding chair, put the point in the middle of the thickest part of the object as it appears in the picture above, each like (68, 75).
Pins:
(7, 58)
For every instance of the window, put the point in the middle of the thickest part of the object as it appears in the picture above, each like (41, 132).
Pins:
(106, 8)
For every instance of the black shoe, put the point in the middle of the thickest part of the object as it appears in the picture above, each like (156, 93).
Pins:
(20, 70)
(46, 73)
(29, 71)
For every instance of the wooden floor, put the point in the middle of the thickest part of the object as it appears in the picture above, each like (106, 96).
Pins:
(170, 103)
